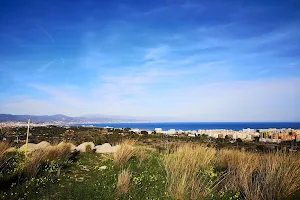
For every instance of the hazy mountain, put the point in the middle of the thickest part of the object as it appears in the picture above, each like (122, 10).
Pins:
(59, 118)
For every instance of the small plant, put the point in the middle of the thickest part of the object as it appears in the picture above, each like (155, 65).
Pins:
(123, 185)
(12, 165)
(88, 148)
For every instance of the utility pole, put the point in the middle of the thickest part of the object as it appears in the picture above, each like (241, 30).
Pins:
(26, 144)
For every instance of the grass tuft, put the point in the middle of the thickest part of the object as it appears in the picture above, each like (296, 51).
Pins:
(123, 185)
(88, 149)
(261, 177)
(3, 147)
(36, 159)
(188, 172)
(141, 155)
(124, 152)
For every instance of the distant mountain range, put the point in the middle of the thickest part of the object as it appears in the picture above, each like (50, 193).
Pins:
(65, 119)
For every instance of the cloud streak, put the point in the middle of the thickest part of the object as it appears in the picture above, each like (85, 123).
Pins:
(46, 66)
(46, 33)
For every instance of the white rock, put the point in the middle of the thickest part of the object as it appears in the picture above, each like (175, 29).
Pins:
(31, 147)
(42, 145)
(104, 148)
(82, 147)
(11, 149)
(103, 167)
(115, 148)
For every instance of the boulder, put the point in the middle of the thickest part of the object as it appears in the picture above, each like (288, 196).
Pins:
(106, 148)
(31, 147)
(11, 149)
(72, 146)
(82, 147)
(115, 148)
(43, 145)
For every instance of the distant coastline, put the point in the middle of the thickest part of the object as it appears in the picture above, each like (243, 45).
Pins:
(196, 125)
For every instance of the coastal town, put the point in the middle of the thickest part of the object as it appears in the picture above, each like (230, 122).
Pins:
(270, 135)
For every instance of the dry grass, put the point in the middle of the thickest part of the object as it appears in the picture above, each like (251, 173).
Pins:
(261, 177)
(124, 152)
(141, 155)
(185, 168)
(58, 152)
(37, 158)
(234, 158)
(3, 147)
(123, 185)
(33, 162)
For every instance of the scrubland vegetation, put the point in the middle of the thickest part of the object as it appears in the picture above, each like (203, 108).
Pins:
(23, 173)
(184, 171)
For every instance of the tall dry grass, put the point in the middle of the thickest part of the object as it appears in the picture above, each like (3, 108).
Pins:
(123, 185)
(141, 155)
(261, 177)
(124, 152)
(36, 159)
(33, 163)
(3, 147)
(186, 171)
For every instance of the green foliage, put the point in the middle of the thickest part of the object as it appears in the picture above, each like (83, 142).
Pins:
(12, 165)
(225, 195)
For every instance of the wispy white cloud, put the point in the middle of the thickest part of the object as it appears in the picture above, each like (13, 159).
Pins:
(65, 95)
(157, 53)
(264, 71)
(46, 66)
(46, 33)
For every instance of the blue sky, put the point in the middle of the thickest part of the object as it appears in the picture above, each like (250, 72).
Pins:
(169, 60)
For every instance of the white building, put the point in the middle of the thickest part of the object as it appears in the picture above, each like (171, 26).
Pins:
(158, 130)
(248, 130)
(171, 131)
(136, 130)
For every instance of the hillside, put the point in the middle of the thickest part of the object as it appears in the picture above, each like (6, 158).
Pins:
(59, 118)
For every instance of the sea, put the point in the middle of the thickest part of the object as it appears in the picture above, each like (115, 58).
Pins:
(199, 125)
